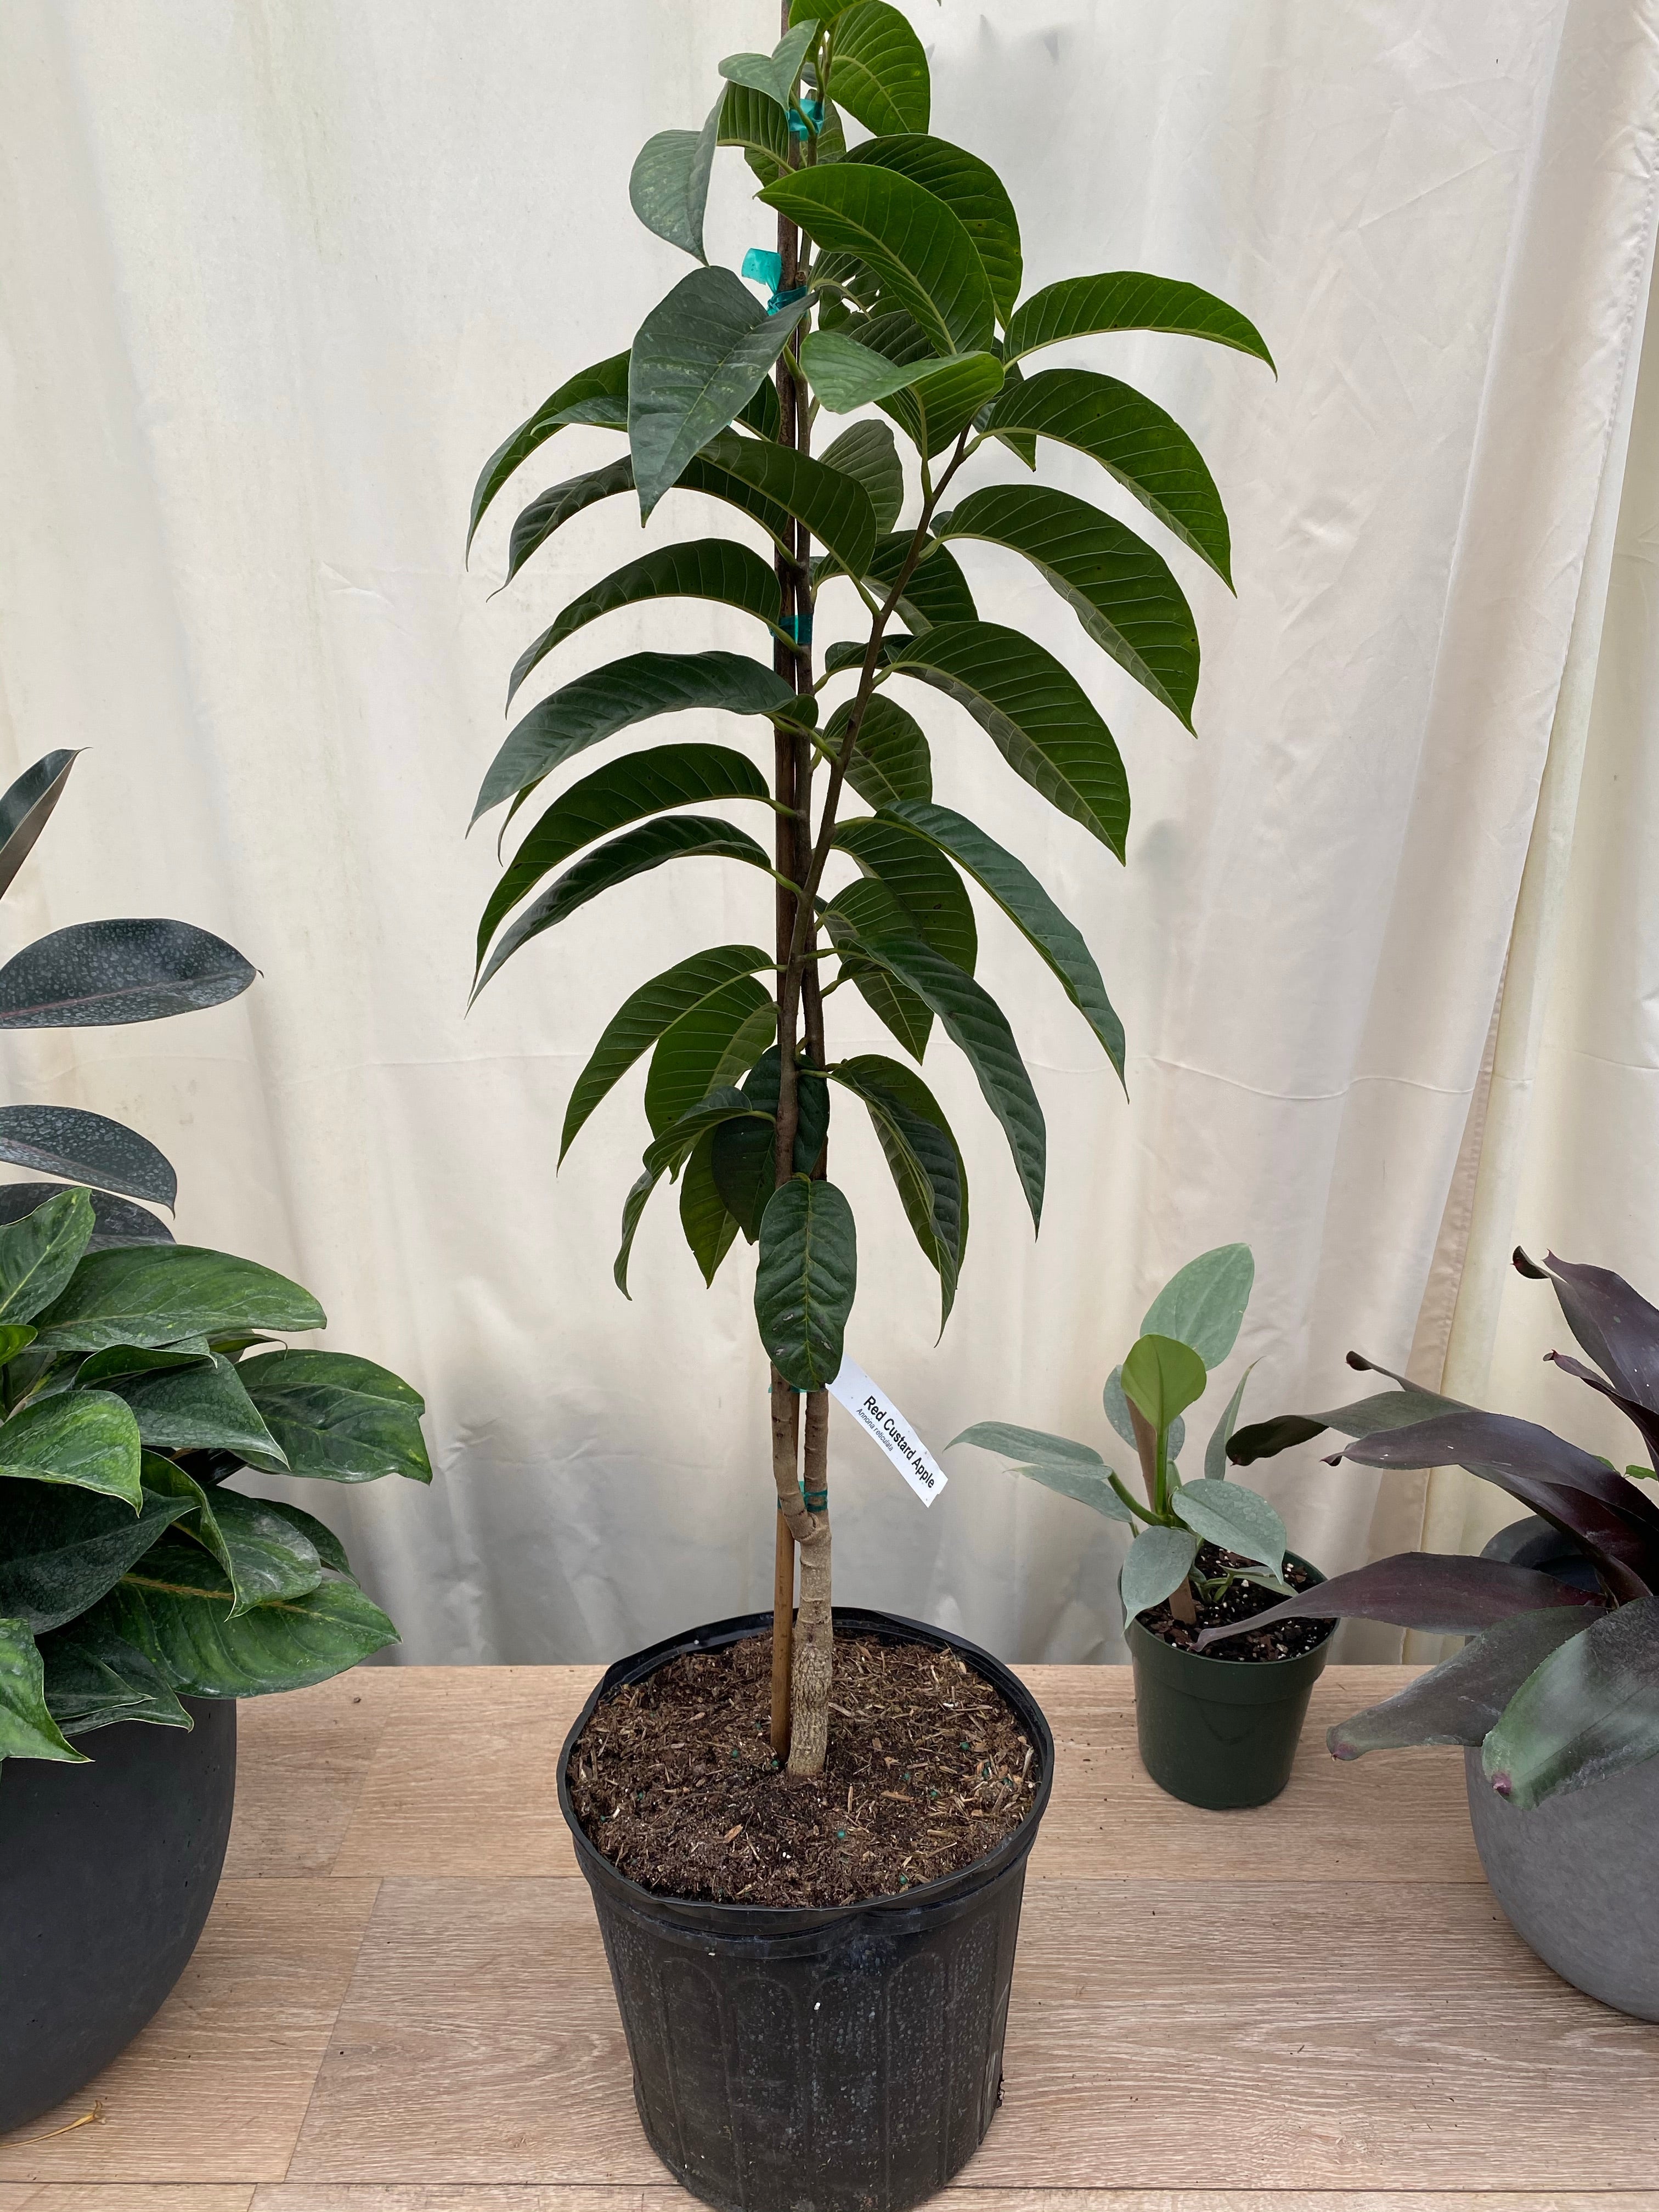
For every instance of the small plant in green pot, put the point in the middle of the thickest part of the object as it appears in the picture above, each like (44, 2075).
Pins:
(1206, 1553)
(1555, 1697)
(143, 1590)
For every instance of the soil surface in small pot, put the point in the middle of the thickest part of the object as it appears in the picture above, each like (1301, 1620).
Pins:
(1285, 1639)
(673, 1777)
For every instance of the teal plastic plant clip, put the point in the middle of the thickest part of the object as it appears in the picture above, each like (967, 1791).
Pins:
(814, 1501)
(763, 267)
(798, 628)
(811, 119)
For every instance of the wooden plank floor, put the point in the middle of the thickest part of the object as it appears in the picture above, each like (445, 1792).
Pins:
(400, 2003)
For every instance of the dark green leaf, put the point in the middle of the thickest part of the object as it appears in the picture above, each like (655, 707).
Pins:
(1125, 596)
(264, 1556)
(26, 808)
(923, 1158)
(668, 186)
(1203, 1304)
(114, 1221)
(339, 1417)
(878, 69)
(754, 121)
(598, 395)
(697, 358)
(96, 973)
(131, 1362)
(767, 480)
(39, 1254)
(643, 1017)
(202, 1406)
(667, 1153)
(154, 1294)
(60, 1550)
(95, 1679)
(88, 1440)
(935, 591)
(934, 899)
(1073, 1470)
(1036, 713)
(62, 1140)
(974, 192)
(690, 1055)
(866, 452)
(1159, 1561)
(1124, 300)
(554, 507)
(1147, 450)
(773, 76)
(934, 410)
(805, 1280)
(846, 375)
(28, 1730)
(1589, 1711)
(918, 248)
(323, 1541)
(709, 1229)
(1459, 1700)
(742, 1156)
(890, 763)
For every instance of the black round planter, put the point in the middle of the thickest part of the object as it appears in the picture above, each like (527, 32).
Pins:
(106, 1873)
(847, 2060)
(1221, 1733)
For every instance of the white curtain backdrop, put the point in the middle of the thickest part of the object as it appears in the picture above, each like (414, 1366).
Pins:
(275, 277)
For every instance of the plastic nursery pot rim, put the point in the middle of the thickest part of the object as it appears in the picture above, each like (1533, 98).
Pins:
(1172, 1662)
(763, 1920)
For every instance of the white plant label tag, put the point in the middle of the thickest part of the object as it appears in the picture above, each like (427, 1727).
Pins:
(876, 1413)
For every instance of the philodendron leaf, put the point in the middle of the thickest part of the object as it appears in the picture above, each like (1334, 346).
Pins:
(550, 510)
(1590, 1709)
(891, 761)
(598, 395)
(669, 837)
(668, 185)
(1435, 1590)
(95, 1679)
(804, 1283)
(1036, 715)
(1124, 594)
(114, 1220)
(924, 259)
(62, 1140)
(1126, 299)
(690, 1058)
(39, 1254)
(1159, 1561)
(866, 452)
(1215, 1452)
(1203, 1304)
(202, 1406)
(175, 1607)
(1234, 1519)
(26, 808)
(1134, 440)
(878, 67)
(636, 690)
(628, 790)
(645, 1015)
(1459, 1700)
(1074, 1470)
(923, 1158)
(28, 1730)
(710, 1229)
(714, 568)
(1162, 1377)
(154, 1294)
(88, 1440)
(698, 356)
(339, 1417)
(974, 192)
(1117, 1413)
(96, 973)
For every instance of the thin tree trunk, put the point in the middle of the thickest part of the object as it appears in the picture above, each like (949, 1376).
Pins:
(814, 1630)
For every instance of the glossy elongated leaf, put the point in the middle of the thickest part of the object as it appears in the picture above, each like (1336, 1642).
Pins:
(775, 76)
(1159, 1561)
(890, 763)
(921, 879)
(934, 409)
(28, 1730)
(866, 917)
(636, 690)
(26, 808)
(95, 1679)
(1117, 1408)
(339, 1417)
(624, 791)
(175, 1607)
(1438, 1591)
(671, 837)
(130, 1363)
(1036, 714)
(667, 1152)
(972, 191)
(936, 591)
(1234, 1519)
(805, 1280)
(1388, 1409)
(1123, 593)
(1215, 1452)
(96, 973)
(202, 1406)
(60, 1550)
(716, 568)
(742, 1156)
(668, 185)
(1589, 1711)
(645, 1014)
(1027, 905)
(114, 1221)
(1162, 1377)
(1134, 440)
(323, 1541)
(866, 452)
(710, 1229)
(62, 1140)
(264, 1556)
(1618, 1328)
(846, 375)
(767, 480)
(88, 1440)
(1074, 1470)
(922, 1157)
(154, 1294)
(598, 395)
(1459, 1700)
(696, 360)
(754, 121)
(878, 69)
(39, 1254)
(1203, 1303)
(690, 1055)
(551, 509)
(1127, 300)
(909, 239)
(14, 1338)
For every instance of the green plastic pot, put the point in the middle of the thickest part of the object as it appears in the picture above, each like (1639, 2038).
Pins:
(1221, 1733)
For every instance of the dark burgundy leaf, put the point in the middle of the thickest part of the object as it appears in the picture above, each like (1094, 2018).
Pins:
(1646, 1421)
(1614, 1323)
(1388, 1409)
(1433, 1590)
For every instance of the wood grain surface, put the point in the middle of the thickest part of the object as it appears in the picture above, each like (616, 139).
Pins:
(400, 2003)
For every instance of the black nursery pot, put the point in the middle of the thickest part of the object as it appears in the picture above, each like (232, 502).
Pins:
(106, 1874)
(841, 2060)
(1221, 1733)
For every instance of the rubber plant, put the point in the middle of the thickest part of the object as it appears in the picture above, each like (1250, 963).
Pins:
(138, 1380)
(893, 280)
(1559, 1683)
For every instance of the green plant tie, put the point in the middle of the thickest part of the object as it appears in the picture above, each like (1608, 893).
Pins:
(814, 1501)
(810, 121)
(798, 627)
(763, 267)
